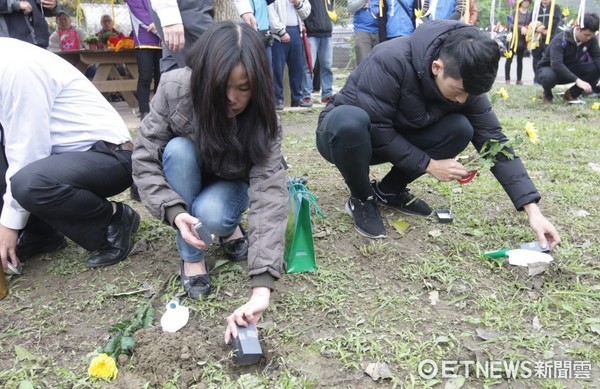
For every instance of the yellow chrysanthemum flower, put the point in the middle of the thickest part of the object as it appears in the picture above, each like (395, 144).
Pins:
(531, 132)
(418, 13)
(596, 106)
(103, 366)
(565, 12)
(503, 93)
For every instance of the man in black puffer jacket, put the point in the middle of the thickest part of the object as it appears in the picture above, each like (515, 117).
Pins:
(416, 102)
(572, 56)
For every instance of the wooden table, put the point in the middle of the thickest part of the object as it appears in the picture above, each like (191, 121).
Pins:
(107, 78)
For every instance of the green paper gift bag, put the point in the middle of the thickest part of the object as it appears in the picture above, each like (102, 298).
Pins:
(299, 252)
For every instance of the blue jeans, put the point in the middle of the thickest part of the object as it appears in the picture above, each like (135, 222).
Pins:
(322, 47)
(292, 54)
(218, 203)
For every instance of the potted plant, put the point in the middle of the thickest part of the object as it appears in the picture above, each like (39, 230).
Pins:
(92, 42)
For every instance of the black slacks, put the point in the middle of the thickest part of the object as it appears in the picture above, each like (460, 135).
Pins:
(344, 139)
(67, 192)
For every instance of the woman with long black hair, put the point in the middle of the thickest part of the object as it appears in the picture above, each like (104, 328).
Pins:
(209, 149)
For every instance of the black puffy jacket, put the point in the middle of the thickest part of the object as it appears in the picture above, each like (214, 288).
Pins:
(394, 85)
(318, 22)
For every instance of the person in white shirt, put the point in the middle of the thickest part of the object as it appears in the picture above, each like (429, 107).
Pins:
(180, 23)
(64, 150)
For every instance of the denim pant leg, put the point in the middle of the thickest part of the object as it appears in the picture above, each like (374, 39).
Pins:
(307, 82)
(325, 54)
(182, 165)
(220, 206)
(295, 61)
(279, 57)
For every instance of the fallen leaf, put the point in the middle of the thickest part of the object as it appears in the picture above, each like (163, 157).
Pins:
(595, 166)
(595, 328)
(435, 233)
(536, 324)
(23, 353)
(377, 370)
(400, 225)
(487, 334)
(582, 213)
(548, 354)
(570, 129)
(434, 297)
(442, 340)
(457, 190)
(25, 385)
(455, 383)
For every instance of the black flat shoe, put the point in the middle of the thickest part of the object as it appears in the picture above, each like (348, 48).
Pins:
(29, 245)
(237, 249)
(118, 235)
(195, 286)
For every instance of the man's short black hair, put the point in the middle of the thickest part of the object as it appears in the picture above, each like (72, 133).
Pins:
(472, 56)
(591, 22)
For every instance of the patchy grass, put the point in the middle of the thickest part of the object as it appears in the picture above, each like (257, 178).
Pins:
(370, 301)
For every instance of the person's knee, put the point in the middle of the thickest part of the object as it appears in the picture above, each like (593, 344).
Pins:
(348, 123)
(28, 187)
(462, 129)
(217, 216)
(547, 77)
(179, 148)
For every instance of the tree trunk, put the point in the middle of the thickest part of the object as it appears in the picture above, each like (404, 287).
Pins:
(224, 10)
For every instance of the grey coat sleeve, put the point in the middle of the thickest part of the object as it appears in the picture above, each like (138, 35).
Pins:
(153, 135)
(267, 218)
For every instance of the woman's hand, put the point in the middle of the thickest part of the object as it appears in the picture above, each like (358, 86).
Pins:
(50, 4)
(152, 28)
(446, 169)
(185, 223)
(25, 7)
(249, 312)
(543, 229)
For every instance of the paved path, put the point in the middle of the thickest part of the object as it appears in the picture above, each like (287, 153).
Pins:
(527, 71)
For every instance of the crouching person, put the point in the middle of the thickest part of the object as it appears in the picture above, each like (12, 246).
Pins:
(209, 149)
(64, 151)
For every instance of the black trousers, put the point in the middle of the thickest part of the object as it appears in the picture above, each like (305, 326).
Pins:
(344, 139)
(67, 192)
(586, 71)
(520, 54)
(148, 61)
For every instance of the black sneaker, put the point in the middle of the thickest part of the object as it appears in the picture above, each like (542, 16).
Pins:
(367, 220)
(403, 201)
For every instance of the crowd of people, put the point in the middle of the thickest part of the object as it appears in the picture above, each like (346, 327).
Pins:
(414, 102)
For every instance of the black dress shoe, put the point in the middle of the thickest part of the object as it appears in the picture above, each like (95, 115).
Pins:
(135, 194)
(237, 249)
(195, 286)
(118, 234)
(29, 244)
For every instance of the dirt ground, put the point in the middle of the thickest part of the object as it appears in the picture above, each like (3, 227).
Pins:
(60, 311)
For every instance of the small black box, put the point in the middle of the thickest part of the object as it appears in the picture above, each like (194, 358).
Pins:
(246, 346)
(444, 215)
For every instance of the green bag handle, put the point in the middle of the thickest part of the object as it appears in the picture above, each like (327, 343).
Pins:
(297, 187)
